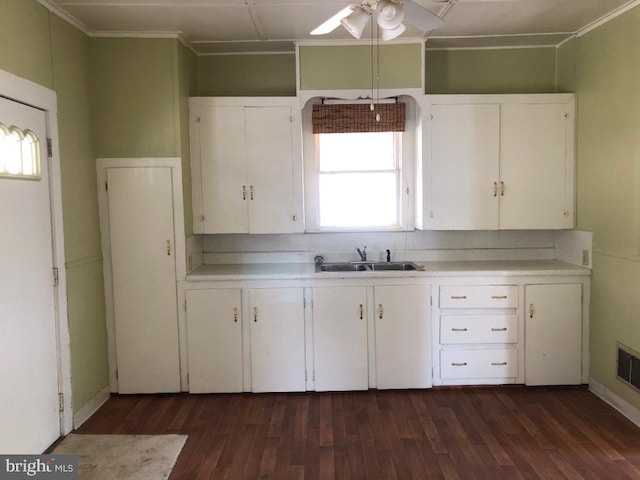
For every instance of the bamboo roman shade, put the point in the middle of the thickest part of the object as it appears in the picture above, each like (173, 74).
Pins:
(358, 117)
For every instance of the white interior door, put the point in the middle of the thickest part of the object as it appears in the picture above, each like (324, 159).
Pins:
(144, 279)
(29, 417)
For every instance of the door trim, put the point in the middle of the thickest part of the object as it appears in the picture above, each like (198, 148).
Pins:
(175, 163)
(24, 91)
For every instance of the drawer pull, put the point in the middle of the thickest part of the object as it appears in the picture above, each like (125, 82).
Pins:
(459, 329)
(499, 297)
(464, 364)
(498, 364)
(499, 329)
(458, 297)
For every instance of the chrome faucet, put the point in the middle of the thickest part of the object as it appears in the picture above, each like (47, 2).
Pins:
(362, 253)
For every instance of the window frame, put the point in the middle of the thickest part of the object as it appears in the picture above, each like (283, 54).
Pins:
(406, 177)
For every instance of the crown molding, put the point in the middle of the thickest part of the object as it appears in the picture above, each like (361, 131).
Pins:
(608, 17)
(65, 16)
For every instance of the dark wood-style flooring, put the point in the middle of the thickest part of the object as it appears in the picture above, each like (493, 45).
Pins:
(443, 433)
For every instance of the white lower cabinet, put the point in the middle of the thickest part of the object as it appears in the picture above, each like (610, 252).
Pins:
(214, 340)
(276, 318)
(340, 357)
(479, 334)
(553, 343)
(486, 363)
(403, 336)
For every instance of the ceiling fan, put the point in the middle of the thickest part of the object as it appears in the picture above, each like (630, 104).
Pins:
(389, 15)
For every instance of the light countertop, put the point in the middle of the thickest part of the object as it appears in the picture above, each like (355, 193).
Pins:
(291, 271)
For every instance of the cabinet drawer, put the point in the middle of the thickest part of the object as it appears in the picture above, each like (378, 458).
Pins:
(496, 363)
(478, 296)
(478, 329)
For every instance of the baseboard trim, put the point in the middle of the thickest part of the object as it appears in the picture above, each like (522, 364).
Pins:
(617, 402)
(83, 414)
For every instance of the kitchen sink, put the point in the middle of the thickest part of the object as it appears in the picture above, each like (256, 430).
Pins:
(344, 267)
(368, 267)
(395, 266)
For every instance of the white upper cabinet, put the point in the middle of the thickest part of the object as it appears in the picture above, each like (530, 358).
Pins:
(246, 165)
(536, 172)
(498, 162)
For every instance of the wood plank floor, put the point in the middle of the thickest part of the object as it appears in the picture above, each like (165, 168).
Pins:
(464, 433)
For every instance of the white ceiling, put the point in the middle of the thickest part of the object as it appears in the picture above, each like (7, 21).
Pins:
(213, 26)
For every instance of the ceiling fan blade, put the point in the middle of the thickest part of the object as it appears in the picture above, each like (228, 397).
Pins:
(420, 17)
(334, 22)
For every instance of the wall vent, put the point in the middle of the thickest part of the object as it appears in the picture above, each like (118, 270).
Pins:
(629, 366)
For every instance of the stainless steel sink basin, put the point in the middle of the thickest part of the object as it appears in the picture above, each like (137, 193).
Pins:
(368, 267)
(344, 267)
(395, 266)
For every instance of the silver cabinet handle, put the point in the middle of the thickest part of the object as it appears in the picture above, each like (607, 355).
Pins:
(499, 297)
(532, 310)
(495, 189)
(504, 329)
(380, 311)
(458, 297)
(463, 364)
(361, 311)
(251, 192)
(498, 364)
(169, 247)
(502, 189)
(235, 314)
(244, 192)
(255, 314)
(459, 329)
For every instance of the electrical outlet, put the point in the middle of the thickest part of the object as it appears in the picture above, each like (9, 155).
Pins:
(585, 258)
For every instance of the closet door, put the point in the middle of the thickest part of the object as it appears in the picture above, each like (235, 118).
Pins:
(143, 265)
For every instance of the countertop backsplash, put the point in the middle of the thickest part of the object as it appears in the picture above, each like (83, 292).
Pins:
(565, 245)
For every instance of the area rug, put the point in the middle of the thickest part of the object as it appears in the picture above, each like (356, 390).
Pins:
(123, 457)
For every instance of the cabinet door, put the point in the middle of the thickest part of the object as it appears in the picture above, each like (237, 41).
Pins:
(223, 173)
(535, 170)
(214, 340)
(277, 339)
(403, 336)
(340, 338)
(144, 279)
(464, 167)
(553, 334)
(270, 169)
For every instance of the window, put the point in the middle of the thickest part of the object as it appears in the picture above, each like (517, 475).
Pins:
(19, 153)
(358, 179)
(359, 172)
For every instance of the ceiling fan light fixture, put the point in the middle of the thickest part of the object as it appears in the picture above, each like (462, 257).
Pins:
(355, 22)
(391, 33)
(390, 14)
(333, 22)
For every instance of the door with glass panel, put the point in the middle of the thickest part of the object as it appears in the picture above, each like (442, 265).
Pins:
(29, 413)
